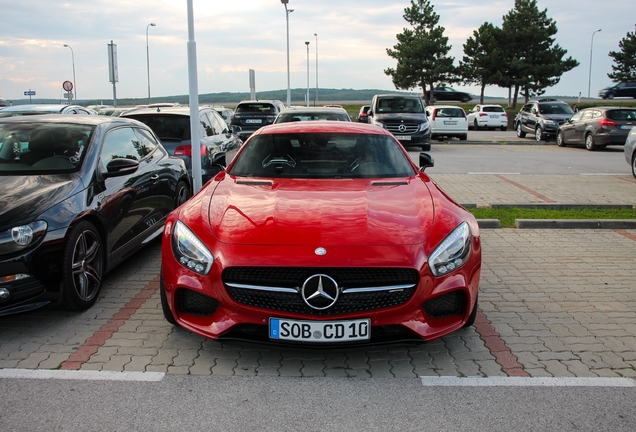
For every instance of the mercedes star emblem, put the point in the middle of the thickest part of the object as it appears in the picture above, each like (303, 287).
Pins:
(320, 292)
(402, 128)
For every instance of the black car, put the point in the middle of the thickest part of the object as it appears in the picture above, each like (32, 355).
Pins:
(542, 118)
(172, 126)
(79, 195)
(404, 116)
(254, 114)
(623, 89)
(597, 127)
(448, 94)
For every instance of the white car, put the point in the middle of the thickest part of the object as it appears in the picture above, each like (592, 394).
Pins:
(447, 121)
(488, 116)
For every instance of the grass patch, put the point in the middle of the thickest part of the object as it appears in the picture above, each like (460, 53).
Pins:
(508, 215)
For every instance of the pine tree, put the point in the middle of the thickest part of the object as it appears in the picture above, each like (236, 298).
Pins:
(625, 60)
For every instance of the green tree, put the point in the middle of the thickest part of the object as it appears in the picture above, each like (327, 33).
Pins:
(536, 62)
(482, 61)
(625, 59)
(421, 51)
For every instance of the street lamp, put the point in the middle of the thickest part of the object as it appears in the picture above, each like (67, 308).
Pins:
(589, 81)
(307, 43)
(148, 58)
(73, 59)
(316, 101)
(287, 12)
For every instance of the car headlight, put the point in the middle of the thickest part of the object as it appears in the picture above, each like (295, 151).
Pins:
(22, 237)
(424, 127)
(550, 123)
(452, 253)
(190, 251)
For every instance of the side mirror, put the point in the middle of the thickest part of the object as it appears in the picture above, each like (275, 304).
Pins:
(120, 167)
(426, 161)
(219, 159)
(236, 129)
(370, 113)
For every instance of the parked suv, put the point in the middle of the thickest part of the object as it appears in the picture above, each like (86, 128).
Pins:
(624, 89)
(254, 114)
(404, 116)
(542, 118)
(172, 127)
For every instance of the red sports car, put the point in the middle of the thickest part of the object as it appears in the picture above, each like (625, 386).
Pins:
(321, 232)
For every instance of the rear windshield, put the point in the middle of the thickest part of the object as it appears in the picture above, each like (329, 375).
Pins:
(27, 113)
(492, 109)
(559, 108)
(308, 116)
(264, 108)
(449, 112)
(322, 155)
(36, 148)
(622, 114)
(166, 127)
(399, 104)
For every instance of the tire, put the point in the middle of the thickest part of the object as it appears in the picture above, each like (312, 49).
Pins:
(634, 164)
(589, 142)
(473, 314)
(82, 267)
(610, 95)
(520, 132)
(426, 147)
(560, 140)
(503, 128)
(463, 137)
(538, 134)
(476, 124)
(167, 313)
(182, 193)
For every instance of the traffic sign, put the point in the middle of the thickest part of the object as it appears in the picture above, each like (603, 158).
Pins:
(67, 85)
(29, 93)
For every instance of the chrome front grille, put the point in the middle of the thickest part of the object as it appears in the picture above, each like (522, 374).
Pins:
(402, 128)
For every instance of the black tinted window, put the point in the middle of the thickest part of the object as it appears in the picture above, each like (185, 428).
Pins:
(388, 104)
(171, 127)
(256, 107)
(623, 114)
(558, 108)
(493, 109)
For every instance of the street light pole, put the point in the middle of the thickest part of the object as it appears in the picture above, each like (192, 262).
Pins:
(287, 12)
(316, 100)
(589, 81)
(73, 59)
(307, 43)
(148, 58)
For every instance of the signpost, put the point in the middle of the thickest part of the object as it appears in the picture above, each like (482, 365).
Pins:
(68, 87)
(113, 71)
(29, 93)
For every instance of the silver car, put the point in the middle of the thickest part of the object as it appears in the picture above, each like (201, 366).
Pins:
(22, 110)
(630, 150)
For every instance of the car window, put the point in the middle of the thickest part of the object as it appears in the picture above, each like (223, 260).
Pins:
(255, 107)
(493, 109)
(206, 127)
(121, 143)
(322, 155)
(527, 108)
(146, 140)
(577, 116)
(219, 125)
(449, 112)
(310, 116)
(167, 126)
(622, 114)
(555, 108)
(399, 104)
(587, 115)
(37, 148)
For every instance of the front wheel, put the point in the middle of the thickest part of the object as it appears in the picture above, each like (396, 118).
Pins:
(520, 132)
(426, 147)
(589, 142)
(182, 193)
(610, 95)
(634, 164)
(560, 140)
(83, 267)
(476, 125)
(538, 134)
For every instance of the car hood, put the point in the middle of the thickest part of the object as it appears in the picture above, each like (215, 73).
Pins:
(24, 198)
(321, 212)
(407, 117)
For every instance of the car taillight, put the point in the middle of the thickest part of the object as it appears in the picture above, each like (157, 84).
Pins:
(483, 115)
(504, 115)
(363, 114)
(606, 123)
(186, 150)
(434, 114)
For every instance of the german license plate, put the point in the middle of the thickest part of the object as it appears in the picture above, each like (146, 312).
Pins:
(403, 137)
(320, 331)
(253, 121)
(450, 122)
(627, 127)
(494, 116)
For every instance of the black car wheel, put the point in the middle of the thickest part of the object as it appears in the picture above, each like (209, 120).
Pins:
(182, 193)
(476, 124)
(634, 164)
(560, 140)
(473, 315)
(167, 313)
(538, 134)
(589, 142)
(83, 267)
(466, 99)
(504, 128)
(426, 147)
(520, 133)
(610, 95)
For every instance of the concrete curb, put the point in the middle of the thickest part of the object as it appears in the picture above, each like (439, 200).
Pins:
(575, 223)
(489, 223)
(551, 206)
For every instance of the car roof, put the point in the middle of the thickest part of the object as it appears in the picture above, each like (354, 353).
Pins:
(173, 110)
(313, 110)
(324, 126)
(607, 108)
(443, 106)
(69, 118)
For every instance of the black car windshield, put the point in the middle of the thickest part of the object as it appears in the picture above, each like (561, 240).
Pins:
(321, 155)
(264, 108)
(399, 104)
(38, 148)
(308, 116)
(555, 109)
(166, 126)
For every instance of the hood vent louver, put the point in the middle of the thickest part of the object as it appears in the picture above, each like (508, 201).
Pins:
(254, 183)
(389, 183)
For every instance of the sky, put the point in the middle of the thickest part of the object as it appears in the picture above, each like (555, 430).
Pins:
(233, 37)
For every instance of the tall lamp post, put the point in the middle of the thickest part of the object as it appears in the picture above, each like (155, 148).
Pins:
(287, 12)
(73, 59)
(316, 100)
(148, 58)
(589, 81)
(307, 43)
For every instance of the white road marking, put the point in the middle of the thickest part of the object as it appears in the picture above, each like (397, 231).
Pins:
(80, 375)
(527, 382)
(495, 173)
(604, 174)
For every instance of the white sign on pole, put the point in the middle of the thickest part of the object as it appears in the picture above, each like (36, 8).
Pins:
(113, 73)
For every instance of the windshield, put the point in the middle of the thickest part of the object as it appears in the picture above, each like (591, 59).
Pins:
(36, 148)
(322, 155)
(400, 104)
(309, 116)
(559, 108)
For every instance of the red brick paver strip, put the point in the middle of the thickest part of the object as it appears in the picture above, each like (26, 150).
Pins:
(93, 343)
(626, 234)
(520, 186)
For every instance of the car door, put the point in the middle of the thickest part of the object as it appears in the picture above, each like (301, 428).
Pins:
(524, 115)
(568, 128)
(127, 202)
(582, 125)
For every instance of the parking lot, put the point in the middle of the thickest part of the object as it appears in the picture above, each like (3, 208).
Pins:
(552, 303)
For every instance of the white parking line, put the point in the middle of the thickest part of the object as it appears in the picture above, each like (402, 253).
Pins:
(80, 375)
(526, 382)
(604, 174)
(495, 173)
